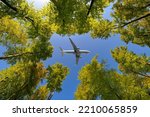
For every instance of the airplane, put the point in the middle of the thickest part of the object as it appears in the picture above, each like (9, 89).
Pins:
(75, 51)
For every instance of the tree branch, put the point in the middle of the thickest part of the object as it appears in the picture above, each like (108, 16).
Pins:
(14, 55)
(144, 16)
(16, 10)
(50, 95)
(146, 6)
(141, 74)
(92, 1)
(7, 4)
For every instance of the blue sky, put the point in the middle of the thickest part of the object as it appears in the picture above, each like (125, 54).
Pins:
(98, 47)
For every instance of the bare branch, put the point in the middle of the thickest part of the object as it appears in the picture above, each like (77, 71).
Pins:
(139, 18)
(7, 4)
(16, 10)
(14, 55)
(92, 1)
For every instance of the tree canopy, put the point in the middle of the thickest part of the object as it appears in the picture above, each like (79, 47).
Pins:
(98, 82)
(131, 21)
(25, 33)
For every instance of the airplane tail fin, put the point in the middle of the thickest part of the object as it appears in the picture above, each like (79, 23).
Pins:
(62, 51)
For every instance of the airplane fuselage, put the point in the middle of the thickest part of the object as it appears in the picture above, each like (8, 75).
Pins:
(75, 51)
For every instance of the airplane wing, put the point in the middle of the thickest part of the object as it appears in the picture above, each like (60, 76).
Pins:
(73, 45)
(77, 59)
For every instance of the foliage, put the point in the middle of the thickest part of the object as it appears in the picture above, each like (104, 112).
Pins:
(41, 93)
(129, 62)
(71, 16)
(56, 75)
(132, 18)
(20, 80)
(25, 33)
(11, 32)
(97, 82)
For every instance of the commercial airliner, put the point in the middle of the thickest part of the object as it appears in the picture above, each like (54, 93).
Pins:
(75, 51)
